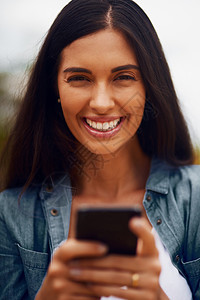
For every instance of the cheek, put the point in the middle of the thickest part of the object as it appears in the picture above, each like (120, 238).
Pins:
(72, 103)
(134, 104)
(134, 108)
(69, 107)
(70, 113)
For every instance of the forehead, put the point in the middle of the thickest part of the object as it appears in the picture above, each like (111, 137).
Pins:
(105, 45)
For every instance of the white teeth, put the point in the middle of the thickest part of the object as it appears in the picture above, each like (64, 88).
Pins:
(115, 122)
(106, 126)
(99, 126)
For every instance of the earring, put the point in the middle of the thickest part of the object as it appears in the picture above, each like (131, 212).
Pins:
(59, 100)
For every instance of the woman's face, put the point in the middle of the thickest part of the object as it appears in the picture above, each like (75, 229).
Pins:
(101, 90)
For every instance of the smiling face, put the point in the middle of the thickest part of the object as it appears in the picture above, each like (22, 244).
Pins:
(101, 91)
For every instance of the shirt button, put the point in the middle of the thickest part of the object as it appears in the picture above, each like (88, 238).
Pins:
(148, 198)
(177, 258)
(54, 212)
(159, 221)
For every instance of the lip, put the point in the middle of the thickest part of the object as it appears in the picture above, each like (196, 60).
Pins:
(103, 134)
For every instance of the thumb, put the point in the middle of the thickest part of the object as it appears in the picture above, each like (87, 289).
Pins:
(73, 248)
(146, 241)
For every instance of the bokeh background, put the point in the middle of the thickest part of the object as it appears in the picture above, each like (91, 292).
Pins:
(24, 24)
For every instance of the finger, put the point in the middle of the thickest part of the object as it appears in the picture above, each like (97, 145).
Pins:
(119, 262)
(61, 286)
(76, 249)
(135, 294)
(78, 289)
(142, 229)
(58, 280)
(144, 280)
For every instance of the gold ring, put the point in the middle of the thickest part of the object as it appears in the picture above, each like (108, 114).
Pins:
(135, 280)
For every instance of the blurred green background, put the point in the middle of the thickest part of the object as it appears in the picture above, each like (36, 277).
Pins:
(9, 102)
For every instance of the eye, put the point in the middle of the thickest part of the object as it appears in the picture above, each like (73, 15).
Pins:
(125, 77)
(77, 78)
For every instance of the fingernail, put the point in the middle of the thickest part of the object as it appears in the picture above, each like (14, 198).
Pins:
(136, 222)
(102, 248)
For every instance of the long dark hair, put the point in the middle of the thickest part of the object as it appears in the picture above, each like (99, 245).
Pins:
(41, 143)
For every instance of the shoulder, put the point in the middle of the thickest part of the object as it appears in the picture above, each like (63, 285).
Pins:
(16, 192)
(185, 181)
(189, 173)
(13, 201)
(164, 177)
(179, 186)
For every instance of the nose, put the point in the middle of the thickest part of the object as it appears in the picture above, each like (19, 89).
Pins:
(101, 101)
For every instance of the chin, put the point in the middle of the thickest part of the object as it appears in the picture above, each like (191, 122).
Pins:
(103, 148)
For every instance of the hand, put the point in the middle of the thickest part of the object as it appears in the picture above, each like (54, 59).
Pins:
(107, 275)
(57, 283)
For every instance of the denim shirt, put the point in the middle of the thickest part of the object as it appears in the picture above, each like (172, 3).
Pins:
(33, 227)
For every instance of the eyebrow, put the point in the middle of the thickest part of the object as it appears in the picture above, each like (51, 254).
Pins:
(125, 67)
(120, 68)
(77, 70)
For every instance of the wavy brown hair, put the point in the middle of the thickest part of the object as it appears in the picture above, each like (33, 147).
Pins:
(40, 142)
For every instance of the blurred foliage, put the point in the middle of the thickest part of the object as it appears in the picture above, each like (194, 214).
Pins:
(8, 105)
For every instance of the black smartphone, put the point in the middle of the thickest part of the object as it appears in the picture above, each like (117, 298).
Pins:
(109, 226)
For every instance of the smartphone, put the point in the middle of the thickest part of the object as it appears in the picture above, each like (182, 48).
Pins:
(109, 226)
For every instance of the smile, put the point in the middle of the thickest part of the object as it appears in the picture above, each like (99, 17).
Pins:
(106, 126)
(103, 127)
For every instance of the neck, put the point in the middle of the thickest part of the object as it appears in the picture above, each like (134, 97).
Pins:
(113, 175)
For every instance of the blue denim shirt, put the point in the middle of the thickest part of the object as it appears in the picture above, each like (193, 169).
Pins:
(31, 229)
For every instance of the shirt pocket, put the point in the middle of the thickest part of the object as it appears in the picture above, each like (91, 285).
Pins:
(192, 271)
(35, 266)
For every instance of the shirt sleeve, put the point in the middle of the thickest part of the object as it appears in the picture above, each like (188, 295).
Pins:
(12, 280)
(24, 256)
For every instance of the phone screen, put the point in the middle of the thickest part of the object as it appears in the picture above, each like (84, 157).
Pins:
(109, 226)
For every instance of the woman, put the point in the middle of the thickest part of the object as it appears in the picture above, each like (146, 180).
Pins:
(99, 124)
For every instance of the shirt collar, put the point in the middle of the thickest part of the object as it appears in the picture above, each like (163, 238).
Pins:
(158, 180)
